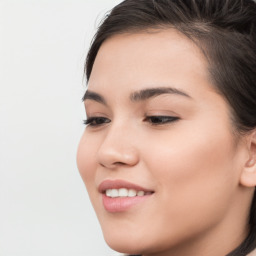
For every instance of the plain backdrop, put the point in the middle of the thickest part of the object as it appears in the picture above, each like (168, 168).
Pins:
(44, 207)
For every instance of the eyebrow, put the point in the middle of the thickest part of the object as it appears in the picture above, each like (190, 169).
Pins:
(138, 95)
(89, 95)
(153, 92)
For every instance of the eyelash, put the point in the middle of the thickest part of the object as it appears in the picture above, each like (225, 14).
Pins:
(153, 120)
(160, 120)
(96, 121)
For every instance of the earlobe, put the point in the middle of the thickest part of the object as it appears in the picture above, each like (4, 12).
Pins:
(248, 175)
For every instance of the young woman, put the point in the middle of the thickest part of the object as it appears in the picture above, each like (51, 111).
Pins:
(168, 155)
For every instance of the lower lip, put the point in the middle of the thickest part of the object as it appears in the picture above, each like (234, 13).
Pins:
(121, 204)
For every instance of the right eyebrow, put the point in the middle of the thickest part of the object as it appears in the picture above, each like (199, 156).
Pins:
(94, 96)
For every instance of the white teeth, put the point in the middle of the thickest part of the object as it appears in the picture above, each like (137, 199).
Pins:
(140, 193)
(114, 193)
(109, 192)
(132, 193)
(123, 192)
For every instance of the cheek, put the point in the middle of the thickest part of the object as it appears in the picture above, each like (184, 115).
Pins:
(87, 166)
(86, 154)
(195, 174)
(194, 157)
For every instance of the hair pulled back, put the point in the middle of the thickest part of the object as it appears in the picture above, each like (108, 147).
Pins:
(224, 30)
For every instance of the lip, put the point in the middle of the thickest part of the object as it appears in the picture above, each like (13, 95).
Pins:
(122, 204)
(116, 184)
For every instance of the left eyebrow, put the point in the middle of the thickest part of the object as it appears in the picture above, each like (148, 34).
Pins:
(153, 92)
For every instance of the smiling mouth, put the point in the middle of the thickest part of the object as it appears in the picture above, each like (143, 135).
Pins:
(121, 196)
(122, 188)
(125, 192)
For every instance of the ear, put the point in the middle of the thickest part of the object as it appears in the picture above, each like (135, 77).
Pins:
(248, 175)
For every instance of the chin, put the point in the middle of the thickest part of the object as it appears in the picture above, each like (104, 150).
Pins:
(128, 243)
(124, 246)
(134, 243)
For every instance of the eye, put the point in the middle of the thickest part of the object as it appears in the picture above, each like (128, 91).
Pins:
(158, 120)
(96, 121)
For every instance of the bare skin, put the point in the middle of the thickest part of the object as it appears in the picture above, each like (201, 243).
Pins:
(178, 144)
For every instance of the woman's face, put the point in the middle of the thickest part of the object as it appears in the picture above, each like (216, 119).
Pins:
(157, 125)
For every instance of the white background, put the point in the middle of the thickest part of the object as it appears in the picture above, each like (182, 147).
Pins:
(44, 207)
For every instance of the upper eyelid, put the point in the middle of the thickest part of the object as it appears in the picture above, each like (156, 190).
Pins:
(168, 116)
(163, 109)
(145, 116)
(90, 113)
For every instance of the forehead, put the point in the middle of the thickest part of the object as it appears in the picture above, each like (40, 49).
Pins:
(133, 61)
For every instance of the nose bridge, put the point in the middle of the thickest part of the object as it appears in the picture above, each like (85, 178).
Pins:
(118, 146)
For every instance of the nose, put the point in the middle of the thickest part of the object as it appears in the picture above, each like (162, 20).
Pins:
(118, 148)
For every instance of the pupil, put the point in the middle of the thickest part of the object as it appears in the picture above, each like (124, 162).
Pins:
(156, 120)
(99, 120)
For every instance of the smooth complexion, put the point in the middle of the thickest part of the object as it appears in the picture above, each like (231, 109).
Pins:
(155, 120)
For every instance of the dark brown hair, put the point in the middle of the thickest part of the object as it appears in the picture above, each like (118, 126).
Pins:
(225, 31)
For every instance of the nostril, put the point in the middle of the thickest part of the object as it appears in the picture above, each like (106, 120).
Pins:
(119, 163)
(115, 164)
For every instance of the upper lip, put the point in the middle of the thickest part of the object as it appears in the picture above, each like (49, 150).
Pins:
(116, 184)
